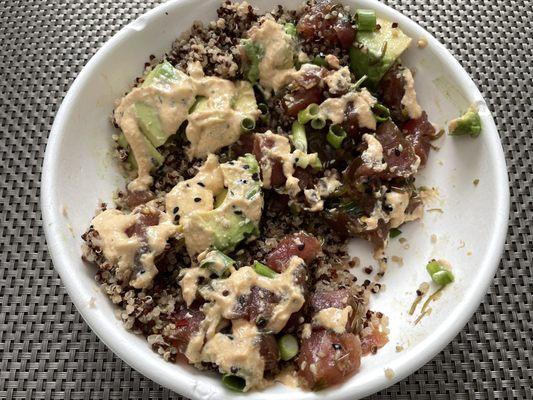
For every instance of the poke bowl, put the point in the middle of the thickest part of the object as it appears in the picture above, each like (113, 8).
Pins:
(306, 201)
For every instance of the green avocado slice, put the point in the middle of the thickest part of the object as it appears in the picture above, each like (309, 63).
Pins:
(131, 164)
(373, 53)
(244, 101)
(467, 124)
(227, 225)
(162, 75)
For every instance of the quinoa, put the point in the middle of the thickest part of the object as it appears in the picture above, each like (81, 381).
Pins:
(215, 46)
(153, 311)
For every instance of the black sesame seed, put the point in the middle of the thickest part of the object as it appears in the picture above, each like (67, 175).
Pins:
(175, 210)
(419, 292)
(225, 293)
(246, 166)
(397, 152)
(201, 184)
(234, 370)
(395, 24)
(197, 199)
(368, 270)
(261, 322)
(237, 212)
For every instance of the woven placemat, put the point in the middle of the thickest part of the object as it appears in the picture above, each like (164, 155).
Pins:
(47, 351)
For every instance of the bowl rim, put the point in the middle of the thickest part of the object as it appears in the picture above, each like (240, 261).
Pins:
(185, 384)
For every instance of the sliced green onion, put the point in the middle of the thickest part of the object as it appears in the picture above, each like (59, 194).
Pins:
(247, 124)
(433, 267)
(335, 136)
(288, 347)
(263, 270)
(320, 61)
(443, 277)
(439, 274)
(366, 19)
(394, 232)
(381, 113)
(298, 136)
(318, 123)
(307, 114)
(263, 108)
(233, 382)
(359, 82)
(217, 262)
(252, 193)
(290, 29)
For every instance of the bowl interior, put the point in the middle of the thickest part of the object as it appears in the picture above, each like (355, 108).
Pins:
(469, 221)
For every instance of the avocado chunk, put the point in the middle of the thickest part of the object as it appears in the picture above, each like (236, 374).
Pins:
(254, 54)
(236, 218)
(244, 101)
(156, 157)
(224, 229)
(161, 76)
(373, 53)
(467, 124)
(268, 55)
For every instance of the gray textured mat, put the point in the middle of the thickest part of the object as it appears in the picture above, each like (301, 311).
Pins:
(49, 352)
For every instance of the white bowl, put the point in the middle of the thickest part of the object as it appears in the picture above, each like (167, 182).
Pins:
(79, 170)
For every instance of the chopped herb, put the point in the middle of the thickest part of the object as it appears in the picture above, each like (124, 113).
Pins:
(234, 382)
(288, 347)
(394, 232)
(263, 270)
(366, 19)
(440, 275)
